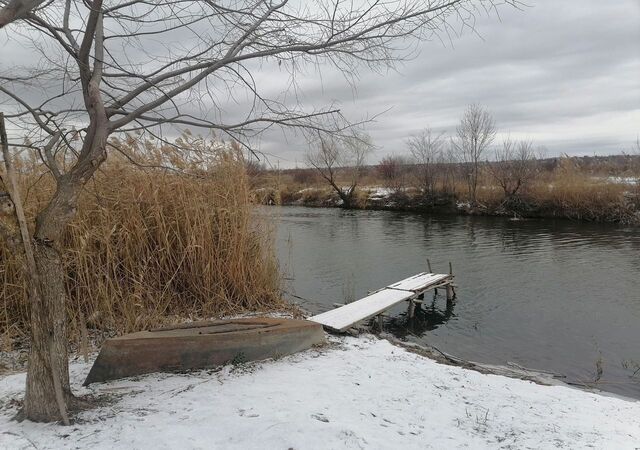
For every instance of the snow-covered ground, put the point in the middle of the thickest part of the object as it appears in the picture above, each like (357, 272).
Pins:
(378, 192)
(622, 180)
(356, 393)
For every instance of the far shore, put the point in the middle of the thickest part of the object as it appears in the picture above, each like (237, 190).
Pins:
(384, 199)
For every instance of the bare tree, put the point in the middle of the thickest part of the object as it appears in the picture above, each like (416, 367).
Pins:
(635, 152)
(635, 168)
(451, 170)
(117, 66)
(393, 170)
(475, 133)
(16, 9)
(514, 166)
(340, 161)
(427, 151)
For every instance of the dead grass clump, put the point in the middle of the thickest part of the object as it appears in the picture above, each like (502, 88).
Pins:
(288, 194)
(571, 193)
(315, 196)
(148, 245)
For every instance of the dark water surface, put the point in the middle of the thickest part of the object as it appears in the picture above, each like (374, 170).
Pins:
(553, 295)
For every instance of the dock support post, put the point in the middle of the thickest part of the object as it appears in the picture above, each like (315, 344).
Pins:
(380, 323)
(449, 292)
(412, 309)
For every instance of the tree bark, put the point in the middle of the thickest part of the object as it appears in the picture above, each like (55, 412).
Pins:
(48, 370)
(347, 198)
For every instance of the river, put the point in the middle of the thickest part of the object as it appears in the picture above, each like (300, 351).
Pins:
(546, 294)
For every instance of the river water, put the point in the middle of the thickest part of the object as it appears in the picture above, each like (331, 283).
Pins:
(546, 294)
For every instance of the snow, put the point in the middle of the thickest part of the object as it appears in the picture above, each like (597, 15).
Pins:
(623, 180)
(377, 192)
(355, 393)
(346, 316)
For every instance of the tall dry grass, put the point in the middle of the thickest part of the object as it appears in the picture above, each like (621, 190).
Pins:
(151, 245)
(570, 192)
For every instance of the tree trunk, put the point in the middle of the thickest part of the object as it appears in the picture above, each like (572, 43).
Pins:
(48, 370)
(347, 198)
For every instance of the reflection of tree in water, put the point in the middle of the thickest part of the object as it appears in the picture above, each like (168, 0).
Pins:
(428, 317)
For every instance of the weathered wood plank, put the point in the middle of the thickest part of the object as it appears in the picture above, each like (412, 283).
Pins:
(419, 282)
(340, 319)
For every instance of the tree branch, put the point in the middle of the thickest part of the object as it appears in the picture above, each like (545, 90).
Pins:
(17, 9)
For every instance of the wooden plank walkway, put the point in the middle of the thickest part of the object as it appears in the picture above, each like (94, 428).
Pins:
(344, 317)
(420, 282)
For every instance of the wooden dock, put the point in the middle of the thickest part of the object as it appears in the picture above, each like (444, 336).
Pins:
(410, 289)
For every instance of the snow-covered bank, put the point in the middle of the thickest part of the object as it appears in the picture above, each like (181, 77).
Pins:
(357, 393)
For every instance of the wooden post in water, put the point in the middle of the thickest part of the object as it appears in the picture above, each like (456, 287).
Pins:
(380, 323)
(449, 293)
(412, 309)
(435, 291)
(419, 300)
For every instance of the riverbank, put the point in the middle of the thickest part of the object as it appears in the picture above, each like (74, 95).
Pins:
(607, 203)
(354, 393)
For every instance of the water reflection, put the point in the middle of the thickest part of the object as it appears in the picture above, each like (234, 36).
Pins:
(427, 317)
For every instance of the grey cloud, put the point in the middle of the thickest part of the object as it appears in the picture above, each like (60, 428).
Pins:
(553, 71)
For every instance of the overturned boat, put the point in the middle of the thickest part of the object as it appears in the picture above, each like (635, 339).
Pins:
(202, 345)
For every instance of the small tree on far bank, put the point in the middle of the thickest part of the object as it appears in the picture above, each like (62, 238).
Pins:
(427, 151)
(475, 133)
(514, 167)
(393, 171)
(340, 161)
(451, 170)
(635, 154)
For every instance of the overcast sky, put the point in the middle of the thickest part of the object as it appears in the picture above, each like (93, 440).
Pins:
(565, 74)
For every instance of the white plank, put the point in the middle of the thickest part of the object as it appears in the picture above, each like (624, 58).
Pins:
(346, 316)
(342, 318)
(419, 282)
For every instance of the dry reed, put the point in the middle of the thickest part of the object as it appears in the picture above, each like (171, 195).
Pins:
(151, 245)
